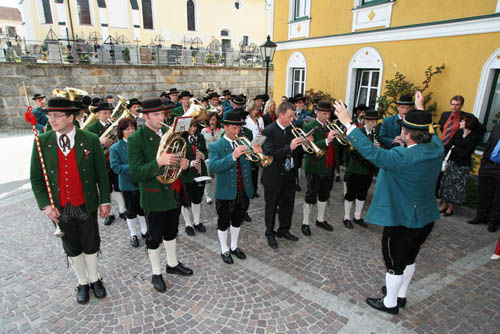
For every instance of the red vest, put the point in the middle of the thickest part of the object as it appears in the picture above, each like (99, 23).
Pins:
(70, 183)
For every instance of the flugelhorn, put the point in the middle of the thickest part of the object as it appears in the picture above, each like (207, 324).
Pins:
(308, 146)
(341, 134)
(251, 155)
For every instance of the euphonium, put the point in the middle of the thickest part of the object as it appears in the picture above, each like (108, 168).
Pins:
(264, 160)
(172, 143)
(91, 119)
(308, 146)
(74, 94)
(111, 130)
(121, 106)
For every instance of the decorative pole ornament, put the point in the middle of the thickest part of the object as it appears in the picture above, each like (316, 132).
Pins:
(30, 118)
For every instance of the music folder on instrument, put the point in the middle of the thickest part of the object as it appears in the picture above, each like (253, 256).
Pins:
(258, 140)
(182, 123)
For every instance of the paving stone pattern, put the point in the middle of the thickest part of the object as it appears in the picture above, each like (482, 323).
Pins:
(315, 285)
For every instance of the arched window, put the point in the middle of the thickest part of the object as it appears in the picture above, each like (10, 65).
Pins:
(191, 15)
(296, 71)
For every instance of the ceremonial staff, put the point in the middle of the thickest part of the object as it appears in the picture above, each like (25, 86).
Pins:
(30, 118)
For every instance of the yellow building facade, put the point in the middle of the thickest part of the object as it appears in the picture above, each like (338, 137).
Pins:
(231, 22)
(350, 48)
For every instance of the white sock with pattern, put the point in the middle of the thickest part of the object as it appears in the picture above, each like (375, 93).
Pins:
(235, 232)
(131, 226)
(358, 209)
(171, 248)
(196, 208)
(186, 214)
(347, 209)
(307, 213)
(154, 258)
(407, 276)
(91, 262)
(223, 241)
(321, 211)
(144, 226)
(392, 284)
(80, 268)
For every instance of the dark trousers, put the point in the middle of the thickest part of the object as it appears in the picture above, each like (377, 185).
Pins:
(319, 186)
(401, 245)
(255, 176)
(279, 198)
(162, 225)
(231, 212)
(113, 181)
(194, 192)
(81, 233)
(132, 200)
(489, 193)
(357, 186)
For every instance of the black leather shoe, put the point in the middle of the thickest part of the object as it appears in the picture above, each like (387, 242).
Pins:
(200, 228)
(287, 235)
(477, 221)
(246, 217)
(123, 215)
(255, 195)
(492, 227)
(82, 294)
(324, 225)
(378, 304)
(401, 301)
(98, 288)
(306, 230)
(189, 231)
(239, 253)
(271, 241)
(143, 236)
(360, 222)
(297, 188)
(158, 283)
(337, 178)
(109, 220)
(134, 241)
(348, 224)
(179, 269)
(227, 258)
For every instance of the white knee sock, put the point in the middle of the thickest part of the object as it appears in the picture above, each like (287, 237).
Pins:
(80, 268)
(171, 248)
(347, 209)
(307, 213)
(196, 208)
(235, 232)
(358, 208)
(345, 188)
(144, 226)
(131, 226)
(321, 211)
(407, 276)
(154, 257)
(91, 262)
(223, 241)
(118, 197)
(186, 214)
(392, 283)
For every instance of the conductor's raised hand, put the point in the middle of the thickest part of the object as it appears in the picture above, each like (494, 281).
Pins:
(342, 113)
(419, 100)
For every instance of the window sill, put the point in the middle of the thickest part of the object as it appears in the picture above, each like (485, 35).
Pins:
(372, 15)
(373, 3)
(299, 28)
(298, 19)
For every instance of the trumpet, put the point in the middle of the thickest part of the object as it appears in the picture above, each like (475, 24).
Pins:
(264, 160)
(339, 131)
(308, 146)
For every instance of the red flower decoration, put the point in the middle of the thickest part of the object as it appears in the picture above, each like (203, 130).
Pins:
(29, 116)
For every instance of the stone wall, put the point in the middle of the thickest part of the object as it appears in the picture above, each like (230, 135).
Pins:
(127, 81)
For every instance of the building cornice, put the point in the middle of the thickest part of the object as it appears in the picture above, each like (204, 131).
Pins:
(457, 27)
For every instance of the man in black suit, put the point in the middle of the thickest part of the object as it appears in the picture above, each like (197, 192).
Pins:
(488, 211)
(279, 178)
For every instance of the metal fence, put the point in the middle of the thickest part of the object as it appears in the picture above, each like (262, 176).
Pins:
(84, 52)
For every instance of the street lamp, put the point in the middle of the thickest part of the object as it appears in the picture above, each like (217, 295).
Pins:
(267, 49)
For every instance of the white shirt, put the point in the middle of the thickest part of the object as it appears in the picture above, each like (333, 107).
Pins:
(231, 143)
(103, 124)
(281, 126)
(323, 125)
(254, 126)
(71, 136)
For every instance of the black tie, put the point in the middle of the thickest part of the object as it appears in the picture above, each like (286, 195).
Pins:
(64, 142)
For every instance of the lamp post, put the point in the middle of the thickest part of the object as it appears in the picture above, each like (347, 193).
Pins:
(267, 49)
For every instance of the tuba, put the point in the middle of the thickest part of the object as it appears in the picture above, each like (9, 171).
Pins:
(121, 107)
(308, 146)
(74, 94)
(111, 130)
(264, 160)
(172, 143)
(91, 119)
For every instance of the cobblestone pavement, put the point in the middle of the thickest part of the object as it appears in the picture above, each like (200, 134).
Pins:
(315, 285)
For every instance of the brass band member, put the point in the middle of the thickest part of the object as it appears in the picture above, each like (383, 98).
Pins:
(195, 153)
(320, 172)
(359, 174)
(211, 133)
(103, 111)
(184, 97)
(234, 185)
(160, 202)
(118, 159)
(278, 178)
(79, 182)
(134, 106)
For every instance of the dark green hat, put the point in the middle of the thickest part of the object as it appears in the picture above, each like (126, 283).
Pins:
(61, 104)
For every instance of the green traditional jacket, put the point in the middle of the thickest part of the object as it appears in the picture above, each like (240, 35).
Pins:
(191, 173)
(142, 148)
(357, 164)
(96, 128)
(91, 166)
(177, 112)
(312, 164)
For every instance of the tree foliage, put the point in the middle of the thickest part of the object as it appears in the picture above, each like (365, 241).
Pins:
(400, 85)
(320, 95)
